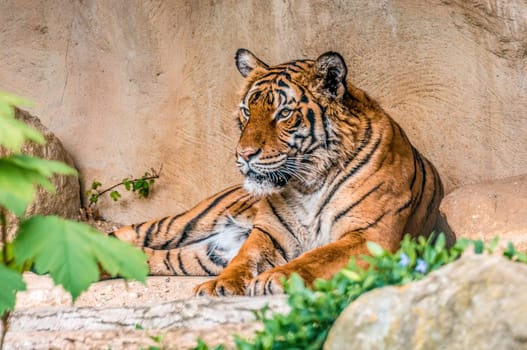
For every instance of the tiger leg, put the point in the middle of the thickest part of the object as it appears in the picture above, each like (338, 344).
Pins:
(260, 252)
(198, 242)
(259, 267)
(322, 262)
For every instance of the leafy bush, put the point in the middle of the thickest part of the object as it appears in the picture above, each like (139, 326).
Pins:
(71, 252)
(314, 310)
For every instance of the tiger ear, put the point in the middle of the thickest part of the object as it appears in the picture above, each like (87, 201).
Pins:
(246, 61)
(330, 73)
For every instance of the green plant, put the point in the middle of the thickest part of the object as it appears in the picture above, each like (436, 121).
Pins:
(71, 252)
(314, 310)
(141, 185)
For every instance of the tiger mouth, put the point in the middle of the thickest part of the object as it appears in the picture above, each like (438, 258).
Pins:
(275, 178)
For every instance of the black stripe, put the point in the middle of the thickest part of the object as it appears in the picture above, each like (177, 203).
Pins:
(180, 261)
(146, 242)
(404, 206)
(203, 267)
(172, 219)
(375, 222)
(311, 118)
(277, 245)
(204, 238)
(261, 82)
(221, 215)
(283, 222)
(168, 263)
(281, 83)
(423, 179)
(267, 287)
(352, 172)
(415, 169)
(325, 123)
(190, 225)
(137, 229)
(286, 75)
(215, 259)
(247, 205)
(255, 96)
(345, 211)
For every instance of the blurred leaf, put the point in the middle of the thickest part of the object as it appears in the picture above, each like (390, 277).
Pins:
(19, 177)
(479, 247)
(14, 133)
(12, 282)
(375, 249)
(71, 253)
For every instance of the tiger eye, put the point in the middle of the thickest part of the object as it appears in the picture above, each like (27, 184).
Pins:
(284, 113)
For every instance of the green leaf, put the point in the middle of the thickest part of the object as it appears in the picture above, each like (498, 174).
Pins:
(71, 251)
(479, 246)
(43, 166)
(375, 249)
(115, 195)
(19, 176)
(13, 132)
(94, 197)
(12, 282)
(95, 185)
(491, 246)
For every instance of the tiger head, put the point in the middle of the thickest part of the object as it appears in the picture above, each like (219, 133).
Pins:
(286, 134)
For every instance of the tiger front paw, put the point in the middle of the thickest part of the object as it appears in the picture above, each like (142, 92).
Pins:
(221, 287)
(266, 283)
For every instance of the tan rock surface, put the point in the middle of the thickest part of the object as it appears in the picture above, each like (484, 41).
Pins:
(65, 201)
(489, 209)
(130, 85)
(42, 292)
(107, 314)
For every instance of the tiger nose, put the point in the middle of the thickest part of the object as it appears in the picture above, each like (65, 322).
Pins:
(248, 153)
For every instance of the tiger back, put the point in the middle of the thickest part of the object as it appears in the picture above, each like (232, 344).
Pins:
(326, 170)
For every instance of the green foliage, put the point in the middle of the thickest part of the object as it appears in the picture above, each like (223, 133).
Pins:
(70, 252)
(203, 346)
(11, 283)
(13, 132)
(141, 186)
(19, 177)
(314, 310)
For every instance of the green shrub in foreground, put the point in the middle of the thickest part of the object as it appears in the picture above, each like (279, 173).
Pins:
(313, 311)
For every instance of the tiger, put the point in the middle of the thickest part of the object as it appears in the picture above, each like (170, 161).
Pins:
(325, 170)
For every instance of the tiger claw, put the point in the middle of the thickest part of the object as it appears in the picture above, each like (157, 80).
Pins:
(220, 287)
(267, 283)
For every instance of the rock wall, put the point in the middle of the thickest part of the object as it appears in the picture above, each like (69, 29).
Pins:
(129, 85)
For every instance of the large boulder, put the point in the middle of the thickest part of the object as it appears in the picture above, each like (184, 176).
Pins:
(477, 302)
(489, 209)
(66, 201)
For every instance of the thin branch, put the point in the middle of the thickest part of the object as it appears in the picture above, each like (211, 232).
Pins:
(5, 315)
(155, 175)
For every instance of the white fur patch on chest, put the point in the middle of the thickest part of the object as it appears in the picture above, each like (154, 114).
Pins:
(228, 236)
(311, 229)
